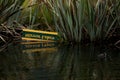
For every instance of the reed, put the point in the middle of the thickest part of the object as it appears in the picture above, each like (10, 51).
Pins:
(101, 19)
(26, 12)
(68, 18)
(9, 9)
(76, 20)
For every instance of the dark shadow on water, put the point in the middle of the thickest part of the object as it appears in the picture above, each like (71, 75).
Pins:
(50, 61)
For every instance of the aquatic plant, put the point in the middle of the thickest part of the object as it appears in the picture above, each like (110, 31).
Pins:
(102, 19)
(20, 12)
(9, 9)
(77, 20)
(68, 18)
(36, 15)
(28, 12)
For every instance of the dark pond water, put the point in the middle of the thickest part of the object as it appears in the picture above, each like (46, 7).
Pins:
(50, 61)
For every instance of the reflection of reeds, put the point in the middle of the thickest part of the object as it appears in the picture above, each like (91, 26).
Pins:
(14, 64)
(79, 63)
(68, 63)
(71, 62)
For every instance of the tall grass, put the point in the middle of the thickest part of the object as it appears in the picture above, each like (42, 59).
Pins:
(76, 20)
(101, 19)
(28, 12)
(37, 15)
(68, 18)
(8, 9)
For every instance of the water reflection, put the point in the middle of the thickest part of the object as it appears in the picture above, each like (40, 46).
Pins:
(50, 61)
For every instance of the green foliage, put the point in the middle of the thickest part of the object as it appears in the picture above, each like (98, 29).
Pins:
(28, 12)
(36, 14)
(9, 9)
(76, 20)
(68, 18)
(101, 19)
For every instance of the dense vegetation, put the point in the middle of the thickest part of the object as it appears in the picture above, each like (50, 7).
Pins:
(80, 20)
(74, 20)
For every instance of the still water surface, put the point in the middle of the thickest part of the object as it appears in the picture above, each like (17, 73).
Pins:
(50, 61)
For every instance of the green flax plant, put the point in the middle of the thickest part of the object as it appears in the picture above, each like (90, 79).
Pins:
(76, 20)
(36, 15)
(101, 19)
(28, 12)
(22, 11)
(9, 9)
(68, 18)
